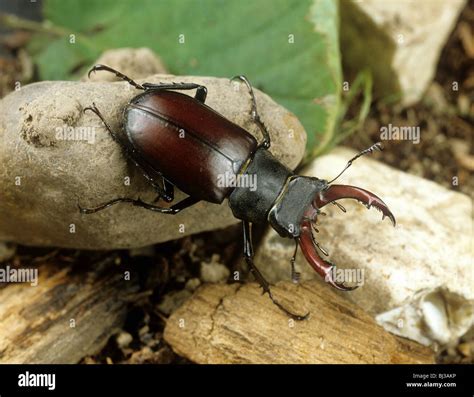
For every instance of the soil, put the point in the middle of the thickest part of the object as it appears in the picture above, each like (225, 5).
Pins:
(444, 155)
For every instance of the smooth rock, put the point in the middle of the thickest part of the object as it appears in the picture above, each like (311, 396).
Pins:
(418, 276)
(399, 41)
(44, 177)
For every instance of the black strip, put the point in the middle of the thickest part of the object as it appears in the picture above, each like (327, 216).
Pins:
(317, 380)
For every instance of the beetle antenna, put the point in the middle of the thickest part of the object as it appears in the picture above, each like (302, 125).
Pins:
(377, 146)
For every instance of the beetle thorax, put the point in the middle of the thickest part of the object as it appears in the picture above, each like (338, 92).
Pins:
(278, 197)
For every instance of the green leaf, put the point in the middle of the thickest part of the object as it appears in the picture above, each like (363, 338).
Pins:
(289, 49)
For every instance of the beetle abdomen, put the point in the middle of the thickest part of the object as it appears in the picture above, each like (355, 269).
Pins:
(189, 143)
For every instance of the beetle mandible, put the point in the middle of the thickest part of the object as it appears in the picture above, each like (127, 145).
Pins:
(215, 146)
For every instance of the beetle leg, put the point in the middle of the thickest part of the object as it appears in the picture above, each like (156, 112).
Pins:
(97, 67)
(248, 254)
(295, 276)
(201, 94)
(201, 91)
(166, 192)
(254, 113)
(168, 188)
(174, 209)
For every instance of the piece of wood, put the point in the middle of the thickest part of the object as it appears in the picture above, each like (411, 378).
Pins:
(70, 314)
(236, 324)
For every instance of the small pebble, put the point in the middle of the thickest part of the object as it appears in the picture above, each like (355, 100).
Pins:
(192, 284)
(172, 301)
(7, 251)
(123, 340)
(213, 271)
(466, 349)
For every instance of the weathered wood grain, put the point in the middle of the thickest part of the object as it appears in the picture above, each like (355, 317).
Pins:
(71, 313)
(235, 324)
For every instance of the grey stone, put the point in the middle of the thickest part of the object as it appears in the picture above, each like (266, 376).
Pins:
(44, 177)
(418, 277)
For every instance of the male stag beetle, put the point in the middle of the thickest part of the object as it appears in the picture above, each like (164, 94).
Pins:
(215, 146)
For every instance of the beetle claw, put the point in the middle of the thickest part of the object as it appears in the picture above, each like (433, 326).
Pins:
(296, 277)
(307, 242)
(340, 286)
(324, 268)
(93, 69)
(336, 192)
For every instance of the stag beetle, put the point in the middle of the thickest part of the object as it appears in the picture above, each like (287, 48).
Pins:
(215, 146)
